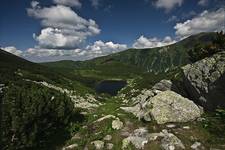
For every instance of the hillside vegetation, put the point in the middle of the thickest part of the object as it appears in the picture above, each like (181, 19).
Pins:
(54, 105)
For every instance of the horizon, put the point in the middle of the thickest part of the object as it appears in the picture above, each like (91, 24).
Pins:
(54, 30)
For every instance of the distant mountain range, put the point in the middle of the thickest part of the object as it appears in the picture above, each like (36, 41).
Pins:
(160, 59)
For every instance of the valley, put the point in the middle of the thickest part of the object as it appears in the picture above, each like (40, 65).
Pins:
(161, 98)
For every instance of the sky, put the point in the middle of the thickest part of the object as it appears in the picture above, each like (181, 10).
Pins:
(51, 30)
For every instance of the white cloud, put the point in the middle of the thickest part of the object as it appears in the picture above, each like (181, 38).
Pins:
(71, 3)
(205, 22)
(37, 52)
(95, 3)
(203, 2)
(143, 42)
(57, 38)
(168, 4)
(99, 48)
(12, 50)
(34, 4)
(63, 28)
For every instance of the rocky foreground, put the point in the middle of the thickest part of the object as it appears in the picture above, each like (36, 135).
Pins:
(163, 117)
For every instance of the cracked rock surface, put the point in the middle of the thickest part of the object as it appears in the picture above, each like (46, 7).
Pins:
(205, 81)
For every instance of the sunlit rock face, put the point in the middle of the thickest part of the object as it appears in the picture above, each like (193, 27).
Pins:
(169, 106)
(205, 81)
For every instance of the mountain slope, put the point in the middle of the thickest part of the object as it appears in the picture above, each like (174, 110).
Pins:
(160, 59)
(33, 113)
(155, 60)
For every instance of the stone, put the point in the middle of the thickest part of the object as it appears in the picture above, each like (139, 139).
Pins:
(1, 88)
(205, 81)
(139, 138)
(171, 142)
(138, 142)
(107, 138)
(106, 117)
(98, 144)
(169, 106)
(76, 136)
(170, 125)
(70, 147)
(186, 127)
(154, 136)
(125, 143)
(164, 107)
(109, 146)
(164, 85)
(196, 146)
(117, 124)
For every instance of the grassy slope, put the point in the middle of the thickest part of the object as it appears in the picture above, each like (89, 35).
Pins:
(23, 102)
(143, 65)
(14, 68)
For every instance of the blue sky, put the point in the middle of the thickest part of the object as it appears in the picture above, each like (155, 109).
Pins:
(48, 30)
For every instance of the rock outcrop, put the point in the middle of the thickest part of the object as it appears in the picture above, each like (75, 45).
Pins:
(169, 106)
(171, 142)
(165, 85)
(140, 137)
(165, 107)
(205, 81)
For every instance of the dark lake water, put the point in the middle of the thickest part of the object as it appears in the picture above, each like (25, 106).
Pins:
(111, 87)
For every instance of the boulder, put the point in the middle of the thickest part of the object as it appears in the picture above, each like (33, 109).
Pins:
(139, 138)
(107, 138)
(164, 85)
(117, 124)
(196, 146)
(109, 146)
(205, 81)
(171, 142)
(98, 144)
(166, 107)
(169, 106)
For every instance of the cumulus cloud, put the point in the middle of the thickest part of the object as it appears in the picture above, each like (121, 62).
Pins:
(38, 52)
(71, 3)
(203, 2)
(95, 3)
(99, 48)
(205, 22)
(12, 50)
(143, 42)
(63, 28)
(34, 4)
(168, 4)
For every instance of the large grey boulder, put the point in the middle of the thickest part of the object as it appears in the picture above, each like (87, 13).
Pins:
(169, 106)
(166, 107)
(205, 81)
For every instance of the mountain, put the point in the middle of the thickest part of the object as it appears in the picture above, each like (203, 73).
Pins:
(161, 59)
(55, 105)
